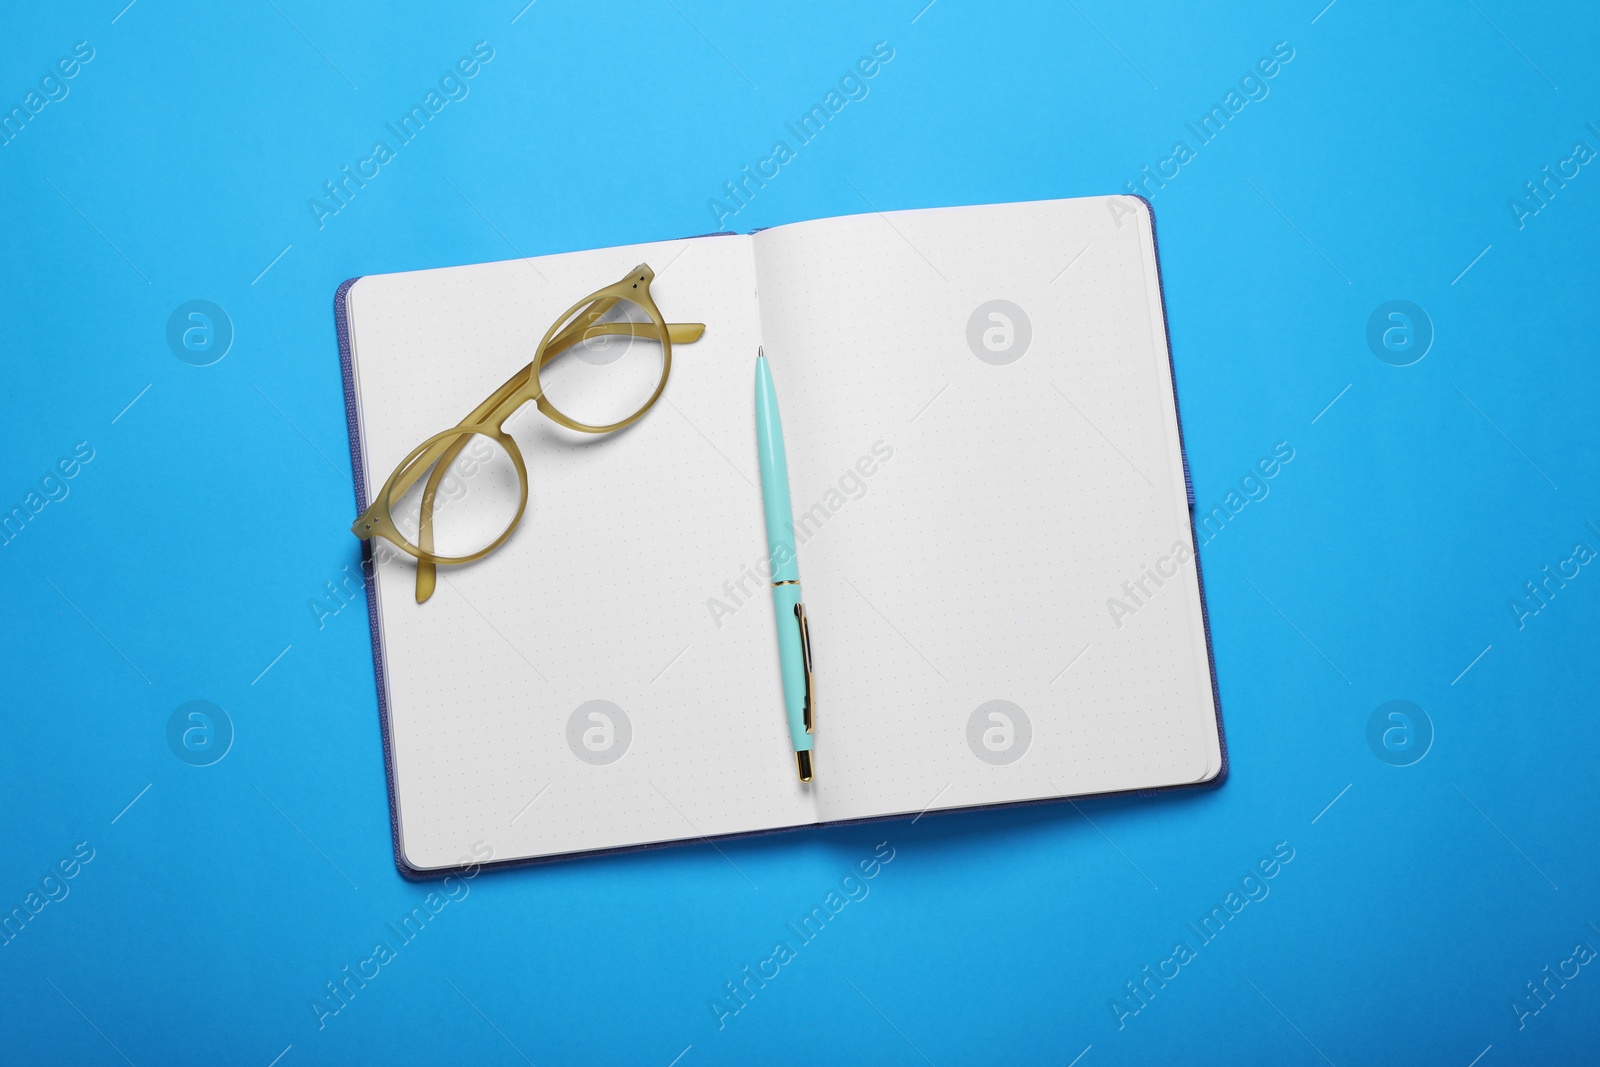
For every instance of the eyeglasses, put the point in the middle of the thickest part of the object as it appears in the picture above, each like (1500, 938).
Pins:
(459, 495)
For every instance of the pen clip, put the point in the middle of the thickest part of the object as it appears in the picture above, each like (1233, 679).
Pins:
(805, 655)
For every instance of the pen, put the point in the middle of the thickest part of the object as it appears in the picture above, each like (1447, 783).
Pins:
(794, 637)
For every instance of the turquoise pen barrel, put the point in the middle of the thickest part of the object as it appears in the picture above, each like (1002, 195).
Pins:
(793, 638)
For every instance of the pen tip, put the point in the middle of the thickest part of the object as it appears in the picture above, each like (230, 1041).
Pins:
(803, 764)
(760, 354)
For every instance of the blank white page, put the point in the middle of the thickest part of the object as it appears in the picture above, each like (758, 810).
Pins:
(976, 562)
(602, 592)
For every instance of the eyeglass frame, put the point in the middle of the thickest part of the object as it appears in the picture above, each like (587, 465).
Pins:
(578, 323)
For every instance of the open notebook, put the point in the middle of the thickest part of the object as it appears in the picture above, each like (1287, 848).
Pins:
(993, 526)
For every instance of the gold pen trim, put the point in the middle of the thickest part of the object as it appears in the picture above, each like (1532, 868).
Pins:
(791, 581)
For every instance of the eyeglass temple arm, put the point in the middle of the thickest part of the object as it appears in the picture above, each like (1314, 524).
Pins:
(499, 406)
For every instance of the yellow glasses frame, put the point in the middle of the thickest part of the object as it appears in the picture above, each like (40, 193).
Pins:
(578, 323)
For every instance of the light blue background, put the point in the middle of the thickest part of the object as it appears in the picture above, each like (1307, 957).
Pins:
(1380, 567)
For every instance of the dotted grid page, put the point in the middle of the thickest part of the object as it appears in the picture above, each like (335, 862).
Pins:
(597, 606)
(983, 450)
